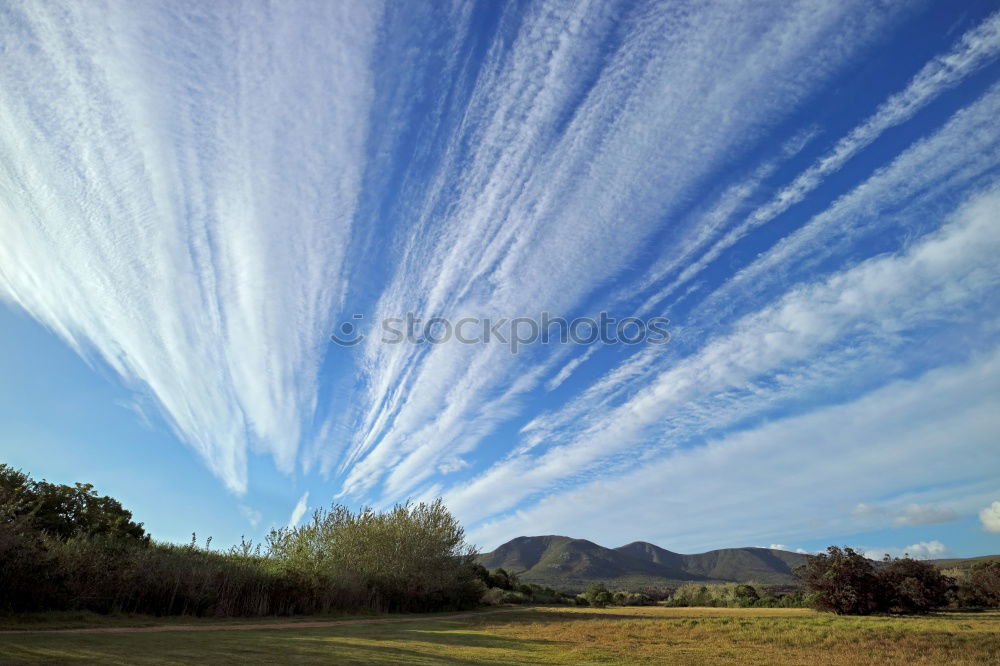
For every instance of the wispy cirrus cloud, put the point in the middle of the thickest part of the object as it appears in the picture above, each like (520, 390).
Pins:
(948, 272)
(194, 195)
(563, 145)
(164, 208)
(895, 199)
(975, 49)
(790, 476)
(299, 511)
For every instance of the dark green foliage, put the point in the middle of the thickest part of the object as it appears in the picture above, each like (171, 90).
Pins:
(624, 598)
(732, 595)
(598, 596)
(86, 554)
(64, 511)
(502, 579)
(978, 586)
(911, 586)
(746, 595)
(845, 582)
(506, 590)
(842, 581)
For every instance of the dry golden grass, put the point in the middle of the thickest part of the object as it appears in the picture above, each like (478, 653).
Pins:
(756, 636)
(555, 635)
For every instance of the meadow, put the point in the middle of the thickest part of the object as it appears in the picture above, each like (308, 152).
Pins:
(541, 635)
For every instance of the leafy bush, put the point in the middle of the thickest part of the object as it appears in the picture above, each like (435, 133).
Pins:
(624, 598)
(842, 581)
(911, 586)
(736, 595)
(845, 582)
(598, 596)
(66, 548)
(64, 511)
(978, 586)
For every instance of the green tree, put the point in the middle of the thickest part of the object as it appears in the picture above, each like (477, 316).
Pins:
(980, 585)
(597, 595)
(746, 595)
(841, 581)
(911, 586)
(412, 557)
(64, 511)
(503, 579)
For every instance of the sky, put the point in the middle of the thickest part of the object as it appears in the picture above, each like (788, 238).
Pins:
(197, 198)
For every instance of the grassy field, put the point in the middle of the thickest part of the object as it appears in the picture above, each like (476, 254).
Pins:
(551, 636)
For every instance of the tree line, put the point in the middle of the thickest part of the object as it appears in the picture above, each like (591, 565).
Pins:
(68, 548)
(846, 582)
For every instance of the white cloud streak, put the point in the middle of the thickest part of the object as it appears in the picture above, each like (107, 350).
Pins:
(170, 214)
(915, 514)
(535, 198)
(897, 197)
(299, 511)
(951, 271)
(790, 476)
(976, 48)
(252, 515)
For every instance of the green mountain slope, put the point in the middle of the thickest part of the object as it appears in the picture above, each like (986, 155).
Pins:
(761, 565)
(573, 563)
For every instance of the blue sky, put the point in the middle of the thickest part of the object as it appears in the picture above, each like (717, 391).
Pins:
(194, 196)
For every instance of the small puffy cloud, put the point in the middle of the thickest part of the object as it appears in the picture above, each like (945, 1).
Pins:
(927, 549)
(916, 514)
(778, 546)
(990, 518)
(300, 510)
(252, 515)
(801, 551)
(923, 550)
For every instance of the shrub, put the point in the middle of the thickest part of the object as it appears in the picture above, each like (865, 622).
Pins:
(87, 554)
(911, 586)
(841, 581)
(735, 595)
(845, 582)
(745, 595)
(597, 595)
(64, 511)
(979, 586)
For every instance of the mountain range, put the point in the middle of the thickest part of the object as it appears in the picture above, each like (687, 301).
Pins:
(571, 564)
(568, 563)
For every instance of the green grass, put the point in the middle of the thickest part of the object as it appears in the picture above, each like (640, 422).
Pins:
(87, 619)
(652, 635)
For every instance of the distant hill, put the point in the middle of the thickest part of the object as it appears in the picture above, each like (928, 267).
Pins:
(964, 562)
(569, 563)
(759, 565)
(572, 564)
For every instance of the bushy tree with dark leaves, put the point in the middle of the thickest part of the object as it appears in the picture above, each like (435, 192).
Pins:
(64, 511)
(911, 586)
(842, 581)
(979, 586)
